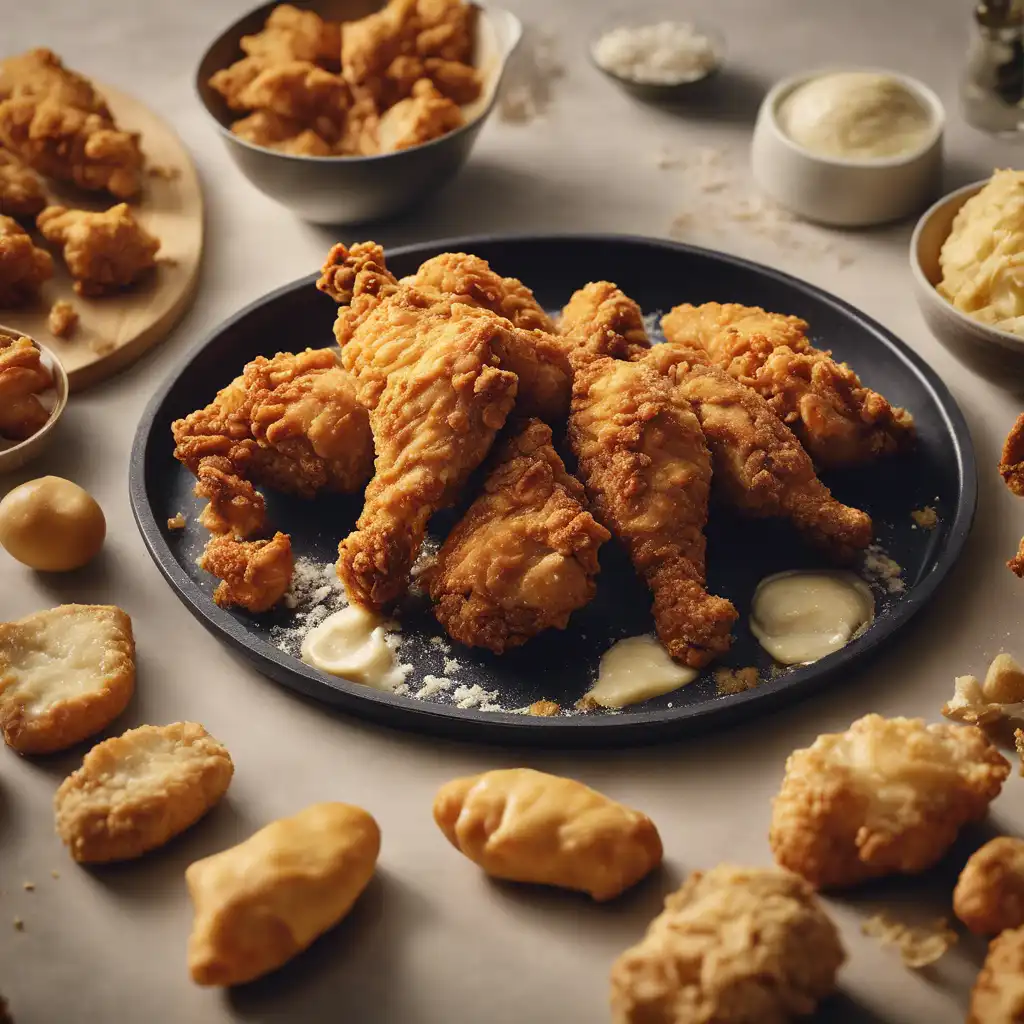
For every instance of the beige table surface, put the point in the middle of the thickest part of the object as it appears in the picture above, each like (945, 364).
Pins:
(432, 941)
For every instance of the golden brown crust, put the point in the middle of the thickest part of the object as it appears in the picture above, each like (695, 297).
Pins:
(23, 265)
(62, 319)
(603, 321)
(254, 574)
(998, 995)
(989, 895)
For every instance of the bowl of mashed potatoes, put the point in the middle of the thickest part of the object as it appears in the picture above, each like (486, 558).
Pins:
(849, 148)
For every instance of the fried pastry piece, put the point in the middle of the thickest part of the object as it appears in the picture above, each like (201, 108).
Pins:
(254, 574)
(602, 320)
(759, 465)
(989, 895)
(524, 556)
(104, 251)
(21, 189)
(838, 420)
(732, 946)
(136, 791)
(22, 377)
(23, 266)
(424, 115)
(647, 471)
(40, 74)
(528, 826)
(998, 995)
(888, 796)
(260, 903)
(65, 674)
(293, 34)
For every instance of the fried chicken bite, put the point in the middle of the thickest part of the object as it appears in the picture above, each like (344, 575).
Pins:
(998, 995)
(104, 251)
(21, 189)
(22, 377)
(274, 132)
(601, 319)
(254, 574)
(300, 92)
(40, 74)
(838, 420)
(424, 115)
(358, 279)
(235, 507)
(292, 34)
(524, 556)
(732, 946)
(888, 796)
(233, 81)
(23, 266)
(989, 895)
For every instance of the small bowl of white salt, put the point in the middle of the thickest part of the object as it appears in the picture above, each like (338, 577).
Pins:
(658, 60)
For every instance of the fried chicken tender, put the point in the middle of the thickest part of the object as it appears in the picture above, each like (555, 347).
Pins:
(989, 895)
(424, 115)
(888, 796)
(759, 465)
(647, 472)
(524, 556)
(838, 420)
(104, 251)
(254, 574)
(21, 189)
(998, 994)
(300, 92)
(732, 946)
(604, 321)
(23, 266)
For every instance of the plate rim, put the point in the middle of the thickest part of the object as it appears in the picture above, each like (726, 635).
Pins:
(622, 728)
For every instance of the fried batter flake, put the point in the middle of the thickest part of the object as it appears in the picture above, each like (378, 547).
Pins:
(919, 945)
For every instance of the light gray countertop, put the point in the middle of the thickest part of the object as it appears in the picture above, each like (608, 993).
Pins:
(432, 940)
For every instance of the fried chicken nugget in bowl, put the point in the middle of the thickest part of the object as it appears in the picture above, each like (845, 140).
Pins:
(344, 189)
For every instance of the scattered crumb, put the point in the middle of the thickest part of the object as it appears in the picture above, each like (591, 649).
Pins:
(544, 709)
(927, 518)
(919, 945)
(587, 703)
(19, 925)
(433, 685)
(451, 666)
(63, 319)
(883, 570)
(736, 680)
(167, 261)
(473, 696)
(55, 874)
(990, 704)
(165, 173)
(29, 886)
(176, 522)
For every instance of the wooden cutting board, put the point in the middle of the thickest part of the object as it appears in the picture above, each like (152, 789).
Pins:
(116, 330)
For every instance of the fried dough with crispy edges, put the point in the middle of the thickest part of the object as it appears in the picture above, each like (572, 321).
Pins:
(65, 674)
(989, 894)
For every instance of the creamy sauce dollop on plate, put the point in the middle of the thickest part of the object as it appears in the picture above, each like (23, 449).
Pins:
(634, 670)
(352, 643)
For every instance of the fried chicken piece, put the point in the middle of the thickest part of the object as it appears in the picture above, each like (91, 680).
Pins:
(21, 189)
(524, 556)
(838, 420)
(443, 400)
(647, 471)
(732, 946)
(293, 34)
(274, 132)
(23, 266)
(370, 45)
(604, 321)
(236, 508)
(759, 465)
(301, 92)
(461, 83)
(424, 115)
(22, 377)
(989, 895)
(888, 796)
(254, 574)
(998, 995)
(39, 74)
(357, 279)
(62, 319)
(104, 251)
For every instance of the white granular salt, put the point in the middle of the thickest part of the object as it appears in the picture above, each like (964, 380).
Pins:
(432, 685)
(664, 53)
(314, 593)
(451, 666)
(473, 696)
(886, 572)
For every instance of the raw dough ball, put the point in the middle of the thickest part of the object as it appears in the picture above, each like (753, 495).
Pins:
(51, 524)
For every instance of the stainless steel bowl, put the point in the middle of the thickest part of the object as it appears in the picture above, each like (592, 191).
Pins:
(350, 190)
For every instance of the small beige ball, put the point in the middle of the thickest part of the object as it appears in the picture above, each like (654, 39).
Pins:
(51, 524)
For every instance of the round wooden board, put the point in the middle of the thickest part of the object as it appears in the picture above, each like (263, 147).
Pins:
(116, 330)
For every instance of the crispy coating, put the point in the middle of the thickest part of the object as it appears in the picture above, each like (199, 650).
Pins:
(424, 115)
(40, 74)
(62, 319)
(888, 796)
(601, 319)
(527, 826)
(23, 266)
(136, 791)
(235, 507)
(989, 895)
(22, 377)
(106, 251)
(231, 82)
(647, 471)
(65, 674)
(293, 34)
(370, 45)
(524, 556)
(998, 994)
(300, 92)
(254, 574)
(732, 946)
(21, 189)
(275, 132)
(838, 420)
(358, 279)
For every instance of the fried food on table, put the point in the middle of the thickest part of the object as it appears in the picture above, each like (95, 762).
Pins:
(22, 377)
(732, 946)
(998, 996)
(423, 115)
(1011, 468)
(527, 826)
(888, 796)
(604, 321)
(21, 189)
(135, 792)
(23, 265)
(838, 420)
(989, 894)
(302, 92)
(254, 574)
(293, 34)
(524, 556)
(62, 319)
(55, 121)
(65, 674)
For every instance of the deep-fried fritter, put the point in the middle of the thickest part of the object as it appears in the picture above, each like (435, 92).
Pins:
(22, 377)
(524, 556)
(293, 34)
(604, 321)
(268, 129)
(989, 895)
(21, 190)
(23, 266)
(888, 796)
(998, 995)
(104, 251)
(424, 115)
(838, 420)
(732, 946)
(647, 471)
(39, 74)
(232, 81)
(254, 574)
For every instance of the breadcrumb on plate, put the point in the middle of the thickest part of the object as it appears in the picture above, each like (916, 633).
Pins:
(989, 895)
(176, 522)
(998, 995)
(544, 709)
(736, 680)
(926, 518)
(919, 945)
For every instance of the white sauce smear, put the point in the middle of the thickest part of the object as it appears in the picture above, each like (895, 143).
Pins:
(352, 643)
(636, 669)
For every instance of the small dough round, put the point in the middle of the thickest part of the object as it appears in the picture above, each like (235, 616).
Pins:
(51, 524)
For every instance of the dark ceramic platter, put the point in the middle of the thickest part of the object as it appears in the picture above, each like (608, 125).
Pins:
(560, 665)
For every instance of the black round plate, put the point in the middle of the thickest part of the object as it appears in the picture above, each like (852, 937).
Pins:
(560, 665)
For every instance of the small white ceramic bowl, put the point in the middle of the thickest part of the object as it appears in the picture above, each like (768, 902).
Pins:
(986, 347)
(837, 191)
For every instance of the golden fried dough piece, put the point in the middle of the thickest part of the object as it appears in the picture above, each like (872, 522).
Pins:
(888, 796)
(268, 129)
(137, 791)
(293, 34)
(22, 377)
(21, 189)
(236, 507)
(260, 903)
(528, 826)
(104, 251)
(838, 420)
(524, 556)
(65, 673)
(732, 946)
(424, 115)
(23, 266)
(647, 472)
(998, 995)
(604, 321)
(759, 465)
(989, 895)
(254, 574)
